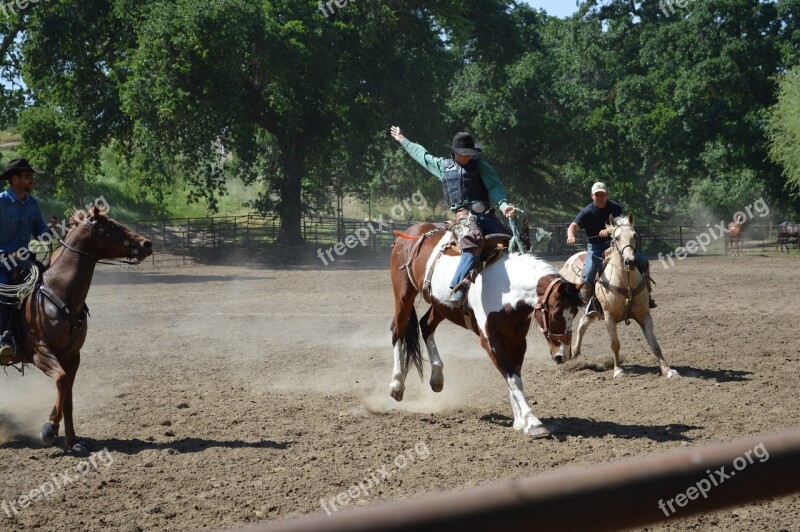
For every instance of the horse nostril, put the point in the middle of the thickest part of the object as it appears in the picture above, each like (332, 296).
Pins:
(559, 359)
(147, 244)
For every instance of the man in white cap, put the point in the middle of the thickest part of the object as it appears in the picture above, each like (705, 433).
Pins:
(592, 219)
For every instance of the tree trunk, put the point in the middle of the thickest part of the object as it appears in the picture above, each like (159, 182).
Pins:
(291, 211)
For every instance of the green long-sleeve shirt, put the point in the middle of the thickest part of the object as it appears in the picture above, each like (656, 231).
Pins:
(436, 166)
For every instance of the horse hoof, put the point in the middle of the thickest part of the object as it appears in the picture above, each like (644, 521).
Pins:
(672, 373)
(397, 395)
(49, 434)
(80, 448)
(437, 386)
(538, 432)
(618, 372)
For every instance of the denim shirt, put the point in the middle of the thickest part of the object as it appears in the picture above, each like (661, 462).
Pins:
(19, 221)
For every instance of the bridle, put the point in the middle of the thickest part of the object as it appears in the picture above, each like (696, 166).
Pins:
(621, 251)
(542, 306)
(128, 243)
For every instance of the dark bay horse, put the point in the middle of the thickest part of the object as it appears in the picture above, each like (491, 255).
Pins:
(53, 316)
(787, 233)
(498, 309)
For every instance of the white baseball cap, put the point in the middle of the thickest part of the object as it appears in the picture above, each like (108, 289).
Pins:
(599, 187)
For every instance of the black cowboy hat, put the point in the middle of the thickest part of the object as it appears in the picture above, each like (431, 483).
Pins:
(18, 166)
(464, 144)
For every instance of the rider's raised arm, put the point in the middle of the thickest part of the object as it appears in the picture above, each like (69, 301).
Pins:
(434, 165)
(497, 192)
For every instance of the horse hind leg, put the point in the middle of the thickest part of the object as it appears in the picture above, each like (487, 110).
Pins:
(406, 349)
(428, 325)
(649, 333)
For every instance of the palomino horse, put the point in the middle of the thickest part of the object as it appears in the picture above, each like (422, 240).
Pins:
(498, 309)
(735, 236)
(622, 292)
(53, 316)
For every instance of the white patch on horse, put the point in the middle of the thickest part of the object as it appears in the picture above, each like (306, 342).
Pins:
(509, 281)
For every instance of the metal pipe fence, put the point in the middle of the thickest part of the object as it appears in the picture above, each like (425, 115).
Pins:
(177, 239)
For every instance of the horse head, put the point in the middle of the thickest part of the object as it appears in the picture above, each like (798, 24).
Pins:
(623, 239)
(555, 312)
(95, 233)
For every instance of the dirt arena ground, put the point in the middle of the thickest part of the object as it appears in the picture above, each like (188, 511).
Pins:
(223, 396)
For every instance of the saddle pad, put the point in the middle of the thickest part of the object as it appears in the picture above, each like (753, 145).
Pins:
(572, 270)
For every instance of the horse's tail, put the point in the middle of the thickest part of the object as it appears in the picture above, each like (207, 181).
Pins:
(410, 343)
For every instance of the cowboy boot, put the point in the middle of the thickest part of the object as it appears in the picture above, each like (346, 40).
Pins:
(459, 285)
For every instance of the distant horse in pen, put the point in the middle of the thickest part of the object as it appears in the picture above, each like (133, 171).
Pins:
(787, 233)
(734, 238)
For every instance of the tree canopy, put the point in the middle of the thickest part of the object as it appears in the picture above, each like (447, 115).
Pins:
(671, 109)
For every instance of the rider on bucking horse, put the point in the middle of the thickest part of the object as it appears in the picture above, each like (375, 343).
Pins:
(20, 219)
(593, 218)
(471, 186)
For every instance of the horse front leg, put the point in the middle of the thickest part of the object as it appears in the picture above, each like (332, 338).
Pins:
(611, 325)
(582, 326)
(649, 333)
(524, 418)
(48, 363)
(507, 354)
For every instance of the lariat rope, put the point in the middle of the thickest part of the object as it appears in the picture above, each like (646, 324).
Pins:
(18, 292)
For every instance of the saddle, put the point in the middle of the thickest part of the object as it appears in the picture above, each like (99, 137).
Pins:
(493, 246)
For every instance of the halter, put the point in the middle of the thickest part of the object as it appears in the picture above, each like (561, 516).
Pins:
(132, 252)
(544, 308)
(621, 251)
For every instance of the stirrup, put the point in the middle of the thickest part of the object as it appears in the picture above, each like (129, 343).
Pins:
(458, 295)
(6, 354)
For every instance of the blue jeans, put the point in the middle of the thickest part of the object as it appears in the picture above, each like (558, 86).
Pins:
(472, 243)
(596, 251)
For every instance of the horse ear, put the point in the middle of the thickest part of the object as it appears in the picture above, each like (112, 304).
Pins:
(611, 220)
(630, 217)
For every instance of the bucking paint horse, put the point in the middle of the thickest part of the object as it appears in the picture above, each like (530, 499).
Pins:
(498, 308)
(53, 316)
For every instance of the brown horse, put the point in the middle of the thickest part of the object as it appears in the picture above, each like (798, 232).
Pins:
(498, 309)
(734, 238)
(53, 316)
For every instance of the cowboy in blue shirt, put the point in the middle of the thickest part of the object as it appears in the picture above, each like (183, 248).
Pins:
(20, 219)
(593, 219)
